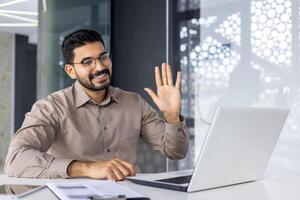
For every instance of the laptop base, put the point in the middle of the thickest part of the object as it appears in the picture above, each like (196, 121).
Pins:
(159, 185)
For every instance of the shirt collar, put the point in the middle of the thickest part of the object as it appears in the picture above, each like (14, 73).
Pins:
(82, 98)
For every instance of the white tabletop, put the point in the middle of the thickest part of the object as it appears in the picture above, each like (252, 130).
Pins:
(277, 187)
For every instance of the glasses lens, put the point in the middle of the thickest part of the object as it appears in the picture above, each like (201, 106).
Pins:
(104, 59)
(88, 63)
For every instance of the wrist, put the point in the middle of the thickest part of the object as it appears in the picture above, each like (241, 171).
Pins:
(78, 169)
(172, 117)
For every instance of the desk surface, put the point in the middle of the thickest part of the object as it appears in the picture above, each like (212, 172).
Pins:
(278, 187)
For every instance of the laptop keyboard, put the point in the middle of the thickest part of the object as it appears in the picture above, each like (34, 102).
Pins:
(177, 180)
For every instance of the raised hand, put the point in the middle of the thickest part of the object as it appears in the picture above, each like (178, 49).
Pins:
(168, 98)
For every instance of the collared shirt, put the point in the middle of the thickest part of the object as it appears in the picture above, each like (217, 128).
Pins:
(68, 125)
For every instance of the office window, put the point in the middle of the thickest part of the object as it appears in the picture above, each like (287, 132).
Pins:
(239, 53)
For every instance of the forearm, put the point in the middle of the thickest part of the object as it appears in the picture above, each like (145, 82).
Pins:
(176, 140)
(31, 163)
(171, 139)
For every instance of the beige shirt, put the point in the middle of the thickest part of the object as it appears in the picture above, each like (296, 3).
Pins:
(68, 126)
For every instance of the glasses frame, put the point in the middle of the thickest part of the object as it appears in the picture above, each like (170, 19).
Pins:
(94, 64)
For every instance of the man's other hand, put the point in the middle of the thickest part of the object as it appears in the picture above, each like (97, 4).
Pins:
(114, 169)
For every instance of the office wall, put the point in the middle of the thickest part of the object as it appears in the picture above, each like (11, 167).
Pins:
(6, 92)
(25, 78)
(139, 44)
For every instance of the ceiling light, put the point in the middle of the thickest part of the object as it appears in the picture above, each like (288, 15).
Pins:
(11, 3)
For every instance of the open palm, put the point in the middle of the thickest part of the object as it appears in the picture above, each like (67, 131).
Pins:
(168, 98)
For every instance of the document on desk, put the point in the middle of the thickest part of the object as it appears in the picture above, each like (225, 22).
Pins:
(96, 189)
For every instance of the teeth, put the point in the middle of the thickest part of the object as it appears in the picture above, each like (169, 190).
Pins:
(100, 76)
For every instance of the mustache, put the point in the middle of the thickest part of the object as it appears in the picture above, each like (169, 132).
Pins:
(98, 73)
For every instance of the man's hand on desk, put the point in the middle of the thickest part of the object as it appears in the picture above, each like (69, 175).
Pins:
(114, 169)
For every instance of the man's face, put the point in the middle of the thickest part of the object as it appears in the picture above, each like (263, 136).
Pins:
(97, 77)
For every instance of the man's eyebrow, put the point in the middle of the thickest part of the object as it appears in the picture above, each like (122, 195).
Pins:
(102, 53)
(83, 59)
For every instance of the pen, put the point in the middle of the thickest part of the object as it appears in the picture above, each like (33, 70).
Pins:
(98, 197)
(108, 197)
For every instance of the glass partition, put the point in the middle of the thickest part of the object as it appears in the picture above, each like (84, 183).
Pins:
(239, 53)
(56, 20)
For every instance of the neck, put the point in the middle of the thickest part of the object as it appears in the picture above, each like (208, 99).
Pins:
(96, 96)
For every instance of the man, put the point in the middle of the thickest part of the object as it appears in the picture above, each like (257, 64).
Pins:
(91, 129)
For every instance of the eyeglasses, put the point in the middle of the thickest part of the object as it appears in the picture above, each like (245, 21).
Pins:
(90, 63)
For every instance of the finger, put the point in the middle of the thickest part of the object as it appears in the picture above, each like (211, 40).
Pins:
(178, 80)
(157, 77)
(125, 172)
(111, 175)
(118, 173)
(129, 166)
(169, 75)
(151, 94)
(164, 74)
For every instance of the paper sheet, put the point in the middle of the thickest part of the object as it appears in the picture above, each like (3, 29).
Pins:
(84, 190)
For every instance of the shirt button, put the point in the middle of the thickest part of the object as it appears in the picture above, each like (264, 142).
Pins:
(107, 150)
(105, 128)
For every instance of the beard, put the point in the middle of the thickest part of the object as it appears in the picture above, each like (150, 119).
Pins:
(91, 86)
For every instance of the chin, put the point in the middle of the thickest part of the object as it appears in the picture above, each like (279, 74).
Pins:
(103, 86)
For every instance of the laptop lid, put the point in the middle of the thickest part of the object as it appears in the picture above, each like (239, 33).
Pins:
(237, 147)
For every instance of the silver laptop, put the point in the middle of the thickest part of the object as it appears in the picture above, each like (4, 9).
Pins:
(236, 150)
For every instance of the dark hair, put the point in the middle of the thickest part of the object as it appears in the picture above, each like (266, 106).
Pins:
(78, 39)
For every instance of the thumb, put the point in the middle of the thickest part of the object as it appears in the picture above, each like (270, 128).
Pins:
(151, 94)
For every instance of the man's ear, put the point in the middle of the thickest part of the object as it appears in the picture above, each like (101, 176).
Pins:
(69, 69)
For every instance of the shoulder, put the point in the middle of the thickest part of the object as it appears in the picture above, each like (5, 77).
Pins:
(61, 95)
(54, 99)
(131, 100)
(123, 95)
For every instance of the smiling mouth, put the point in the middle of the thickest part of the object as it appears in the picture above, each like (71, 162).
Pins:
(100, 76)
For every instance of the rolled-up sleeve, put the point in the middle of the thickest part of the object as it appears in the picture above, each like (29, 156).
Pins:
(27, 154)
(171, 139)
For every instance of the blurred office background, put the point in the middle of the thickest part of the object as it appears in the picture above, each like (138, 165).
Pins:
(231, 52)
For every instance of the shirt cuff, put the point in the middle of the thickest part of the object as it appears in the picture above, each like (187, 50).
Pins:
(176, 127)
(59, 167)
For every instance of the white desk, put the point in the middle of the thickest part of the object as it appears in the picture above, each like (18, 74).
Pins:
(283, 187)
